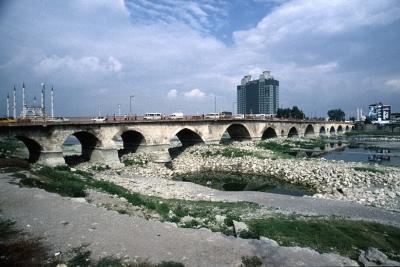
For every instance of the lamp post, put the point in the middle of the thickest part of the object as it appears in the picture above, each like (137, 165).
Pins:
(130, 104)
(119, 110)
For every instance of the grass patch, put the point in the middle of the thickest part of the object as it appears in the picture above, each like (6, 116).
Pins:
(8, 146)
(17, 251)
(231, 152)
(135, 162)
(369, 169)
(99, 168)
(345, 237)
(251, 261)
(283, 150)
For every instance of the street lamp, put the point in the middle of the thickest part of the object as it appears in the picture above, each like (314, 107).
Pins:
(130, 104)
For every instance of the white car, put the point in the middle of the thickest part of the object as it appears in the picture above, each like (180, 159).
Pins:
(212, 116)
(59, 119)
(99, 119)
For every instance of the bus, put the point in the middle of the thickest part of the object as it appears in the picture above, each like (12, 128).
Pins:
(152, 116)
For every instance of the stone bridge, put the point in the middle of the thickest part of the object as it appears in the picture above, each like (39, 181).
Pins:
(99, 140)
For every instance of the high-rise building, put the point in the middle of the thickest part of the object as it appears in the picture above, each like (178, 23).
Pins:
(258, 96)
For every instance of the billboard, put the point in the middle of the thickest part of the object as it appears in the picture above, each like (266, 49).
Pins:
(379, 112)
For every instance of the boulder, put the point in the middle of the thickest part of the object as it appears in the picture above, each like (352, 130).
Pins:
(239, 227)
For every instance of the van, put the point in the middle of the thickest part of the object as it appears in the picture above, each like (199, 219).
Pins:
(176, 116)
(152, 116)
(212, 116)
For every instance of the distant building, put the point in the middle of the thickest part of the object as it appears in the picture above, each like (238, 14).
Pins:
(395, 117)
(258, 96)
(379, 113)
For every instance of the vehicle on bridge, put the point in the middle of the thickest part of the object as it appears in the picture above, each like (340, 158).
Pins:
(58, 119)
(176, 116)
(7, 120)
(212, 116)
(99, 119)
(225, 114)
(152, 116)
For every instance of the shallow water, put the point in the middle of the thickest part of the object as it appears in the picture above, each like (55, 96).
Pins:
(363, 153)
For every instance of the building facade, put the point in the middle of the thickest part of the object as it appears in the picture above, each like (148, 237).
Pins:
(258, 96)
(379, 113)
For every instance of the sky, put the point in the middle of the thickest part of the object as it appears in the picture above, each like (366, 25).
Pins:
(177, 55)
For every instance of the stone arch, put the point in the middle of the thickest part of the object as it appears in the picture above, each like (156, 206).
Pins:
(188, 137)
(347, 128)
(33, 146)
(339, 129)
(322, 131)
(293, 133)
(309, 132)
(132, 140)
(269, 133)
(282, 133)
(353, 128)
(237, 132)
(88, 142)
(332, 131)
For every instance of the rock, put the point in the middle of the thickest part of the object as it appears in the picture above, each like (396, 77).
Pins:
(187, 218)
(220, 219)
(374, 257)
(79, 199)
(239, 227)
(269, 242)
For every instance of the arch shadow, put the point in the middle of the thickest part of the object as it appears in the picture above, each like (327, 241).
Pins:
(322, 131)
(34, 148)
(88, 142)
(184, 138)
(309, 132)
(293, 133)
(131, 142)
(236, 132)
(332, 131)
(269, 133)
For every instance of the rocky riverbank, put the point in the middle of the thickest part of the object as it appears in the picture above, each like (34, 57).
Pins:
(365, 184)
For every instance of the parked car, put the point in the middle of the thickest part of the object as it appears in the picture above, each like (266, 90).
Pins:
(58, 119)
(239, 116)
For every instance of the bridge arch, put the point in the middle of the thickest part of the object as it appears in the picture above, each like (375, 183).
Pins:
(339, 129)
(322, 131)
(33, 147)
(131, 141)
(237, 132)
(88, 142)
(347, 128)
(188, 137)
(309, 132)
(269, 133)
(332, 131)
(293, 133)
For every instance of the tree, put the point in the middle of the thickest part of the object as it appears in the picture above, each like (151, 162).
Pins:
(336, 115)
(293, 112)
(353, 119)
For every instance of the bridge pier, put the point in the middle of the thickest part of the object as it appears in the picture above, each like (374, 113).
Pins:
(51, 158)
(107, 156)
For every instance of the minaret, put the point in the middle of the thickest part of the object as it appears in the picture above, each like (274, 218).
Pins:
(23, 101)
(34, 101)
(52, 102)
(14, 104)
(8, 106)
(43, 99)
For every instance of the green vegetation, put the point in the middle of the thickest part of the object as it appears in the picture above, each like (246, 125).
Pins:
(369, 169)
(345, 237)
(232, 152)
(238, 181)
(99, 168)
(373, 133)
(294, 113)
(251, 261)
(135, 162)
(74, 184)
(16, 250)
(336, 115)
(283, 150)
(8, 146)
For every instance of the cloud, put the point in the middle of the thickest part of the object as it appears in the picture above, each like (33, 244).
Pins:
(395, 84)
(195, 93)
(172, 93)
(82, 65)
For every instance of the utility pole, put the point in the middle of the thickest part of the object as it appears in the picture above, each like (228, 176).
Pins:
(23, 101)
(215, 104)
(119, 109)
(130, 104)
